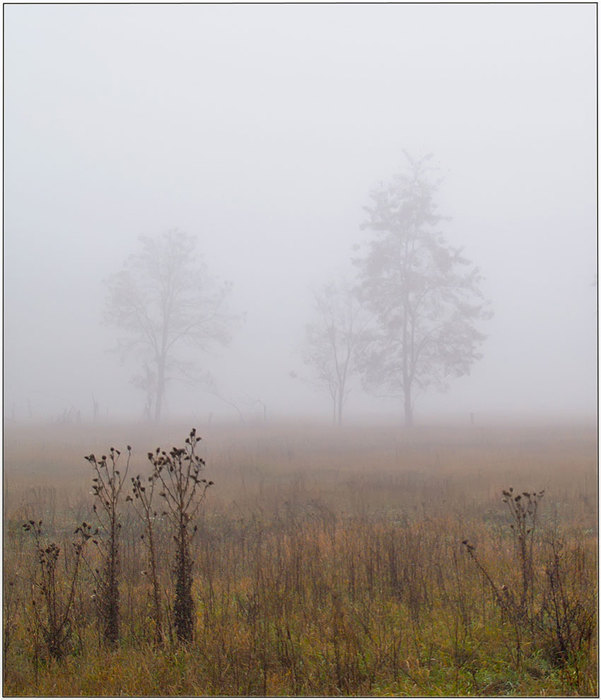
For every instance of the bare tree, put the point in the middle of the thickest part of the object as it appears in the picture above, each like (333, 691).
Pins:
(333, 343)
(422, 293)
(164, 299)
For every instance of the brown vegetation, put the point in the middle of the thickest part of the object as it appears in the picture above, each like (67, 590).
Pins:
(364, 561)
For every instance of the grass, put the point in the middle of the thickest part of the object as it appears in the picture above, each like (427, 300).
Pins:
(326, 562)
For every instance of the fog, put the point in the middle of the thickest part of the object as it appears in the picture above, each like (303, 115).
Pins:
(261, 130)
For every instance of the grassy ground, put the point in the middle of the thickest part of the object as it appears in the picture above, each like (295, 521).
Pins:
(327, 562)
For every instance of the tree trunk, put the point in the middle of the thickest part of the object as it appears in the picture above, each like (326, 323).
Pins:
(157, 407)
(406, 350)
(160, 389)
(408, 408)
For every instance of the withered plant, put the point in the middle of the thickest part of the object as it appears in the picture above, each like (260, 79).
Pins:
(560, 622)
(183, 490)
(523, 509)
(52, 597)
(142, 500)
(9, 609)
(516, 605)
(107, 487)
(567, 618)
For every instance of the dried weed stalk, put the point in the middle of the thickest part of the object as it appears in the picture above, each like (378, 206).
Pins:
(52, 609)
(107, 488)
(183, 491)
(142, 501)
(549, 611)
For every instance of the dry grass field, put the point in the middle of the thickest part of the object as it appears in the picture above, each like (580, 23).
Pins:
(354, 561)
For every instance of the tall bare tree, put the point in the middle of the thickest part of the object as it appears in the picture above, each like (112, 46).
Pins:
(333, 343)
(423, 293)
(163, 299)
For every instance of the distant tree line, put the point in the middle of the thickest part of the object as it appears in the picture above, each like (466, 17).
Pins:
(408, 322)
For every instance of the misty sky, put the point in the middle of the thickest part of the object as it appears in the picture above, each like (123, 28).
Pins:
(261, 129)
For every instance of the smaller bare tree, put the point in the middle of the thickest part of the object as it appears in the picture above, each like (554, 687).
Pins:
(334, 341)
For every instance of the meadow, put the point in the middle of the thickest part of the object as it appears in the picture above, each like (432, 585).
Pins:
(364, 560)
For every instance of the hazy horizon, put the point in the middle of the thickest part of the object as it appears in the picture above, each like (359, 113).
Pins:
(261, 130)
